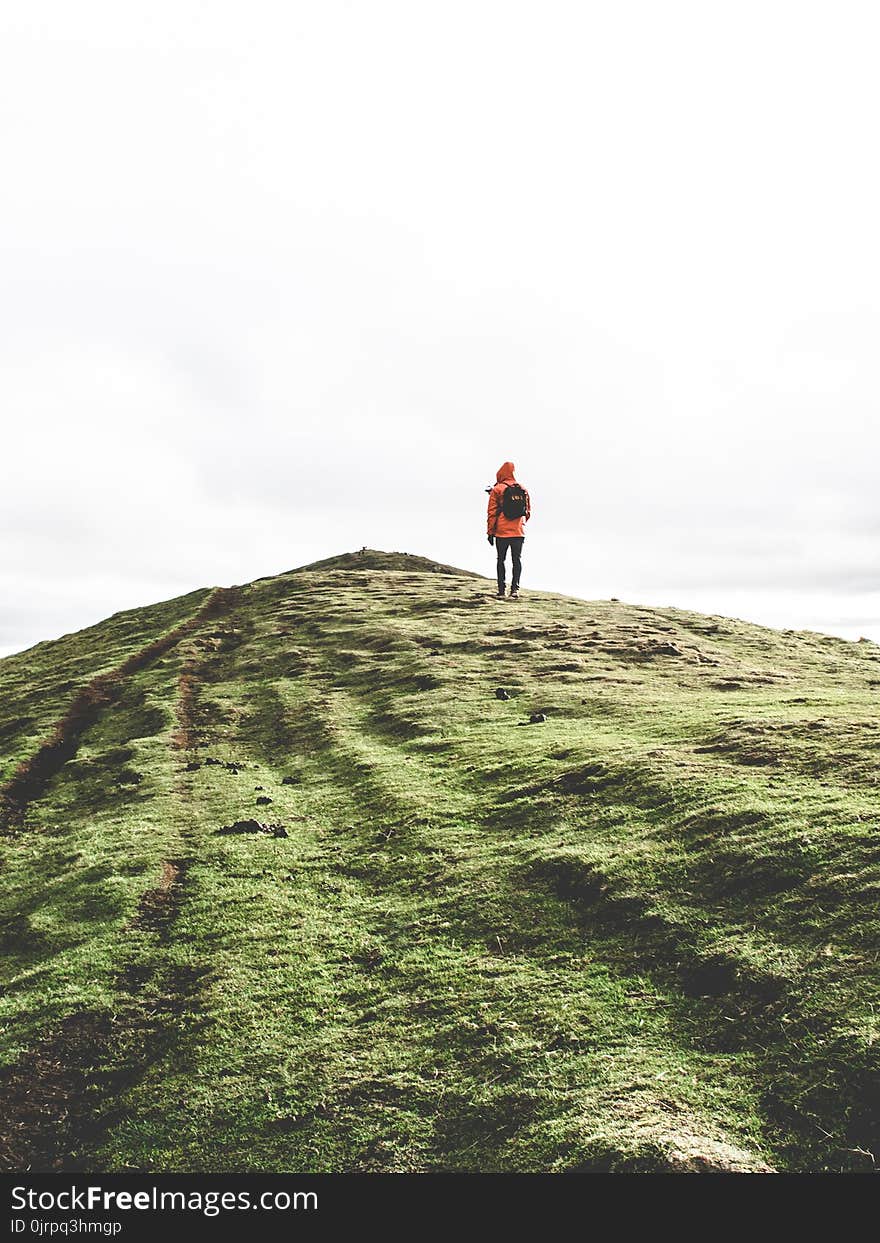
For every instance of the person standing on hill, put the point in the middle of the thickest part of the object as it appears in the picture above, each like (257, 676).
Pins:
(509, 511)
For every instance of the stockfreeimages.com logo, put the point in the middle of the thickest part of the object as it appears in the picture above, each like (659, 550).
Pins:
(209, 1203)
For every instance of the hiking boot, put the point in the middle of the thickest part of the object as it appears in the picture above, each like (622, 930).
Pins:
(514, 592)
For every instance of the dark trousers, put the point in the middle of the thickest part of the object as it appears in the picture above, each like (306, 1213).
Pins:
(515, 545)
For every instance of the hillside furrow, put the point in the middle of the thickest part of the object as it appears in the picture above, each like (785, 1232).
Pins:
(64, 1094)
(33, 774)
(431, 844)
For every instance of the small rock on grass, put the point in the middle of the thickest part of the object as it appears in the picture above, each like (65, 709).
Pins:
(536, 718)
(263, 801)
(253, 826)
(501, 693)
(243, 826)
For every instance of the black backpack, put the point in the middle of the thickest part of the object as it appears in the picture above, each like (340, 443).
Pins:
(513, 502)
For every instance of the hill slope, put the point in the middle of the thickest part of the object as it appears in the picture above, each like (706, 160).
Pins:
(639, 934)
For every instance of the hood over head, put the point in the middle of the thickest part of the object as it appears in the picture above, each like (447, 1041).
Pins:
(505, 472)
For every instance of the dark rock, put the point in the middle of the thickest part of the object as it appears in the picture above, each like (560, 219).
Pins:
(536, 718)
(211, 760)
(258, 788)
(193, 766)
(253, 826)
(290, 781)
(263, 801)
(501, 693)
(243, 826)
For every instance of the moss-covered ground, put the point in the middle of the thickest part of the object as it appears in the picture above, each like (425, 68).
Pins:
(640, 934)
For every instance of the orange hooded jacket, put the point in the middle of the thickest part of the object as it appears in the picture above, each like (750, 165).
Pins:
(497, 524)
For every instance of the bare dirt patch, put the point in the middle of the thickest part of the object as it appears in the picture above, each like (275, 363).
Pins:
(157, 906)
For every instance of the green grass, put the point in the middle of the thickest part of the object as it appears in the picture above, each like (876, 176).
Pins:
(640, 935)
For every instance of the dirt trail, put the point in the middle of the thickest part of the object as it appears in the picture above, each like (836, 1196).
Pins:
(58, 1100)
(157, 906)
(33, 775)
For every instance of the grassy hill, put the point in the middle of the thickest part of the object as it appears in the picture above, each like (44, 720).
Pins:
(288, 886)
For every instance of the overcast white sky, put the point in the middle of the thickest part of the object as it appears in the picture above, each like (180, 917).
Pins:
(283, 279)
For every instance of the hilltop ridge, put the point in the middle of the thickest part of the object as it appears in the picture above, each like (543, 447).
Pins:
(301, 838)
(375, 559)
